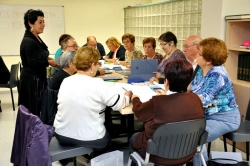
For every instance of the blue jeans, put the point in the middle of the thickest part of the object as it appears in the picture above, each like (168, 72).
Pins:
(217, 125)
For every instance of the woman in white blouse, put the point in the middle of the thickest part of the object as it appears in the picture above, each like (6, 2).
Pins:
(82, 100)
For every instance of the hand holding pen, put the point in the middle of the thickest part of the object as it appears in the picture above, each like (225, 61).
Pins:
(116, 61)
(128, 93)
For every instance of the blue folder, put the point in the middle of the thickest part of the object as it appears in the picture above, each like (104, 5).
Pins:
(142, 70)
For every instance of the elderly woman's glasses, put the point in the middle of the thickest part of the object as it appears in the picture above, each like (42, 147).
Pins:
(163, 44)
(126, 42)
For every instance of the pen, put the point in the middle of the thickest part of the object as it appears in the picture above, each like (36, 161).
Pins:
(124, 89)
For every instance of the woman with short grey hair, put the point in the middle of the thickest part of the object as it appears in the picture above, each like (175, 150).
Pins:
(67, 69)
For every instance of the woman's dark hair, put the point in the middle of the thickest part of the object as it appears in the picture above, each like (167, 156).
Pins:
(179, 74)
(168, 37)
(31, 16)
(62, 37)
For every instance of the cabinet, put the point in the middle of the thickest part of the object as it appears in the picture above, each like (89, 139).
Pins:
(238, 31)
(182, 17)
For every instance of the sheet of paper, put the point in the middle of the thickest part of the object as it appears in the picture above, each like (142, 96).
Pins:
(142, 91)
(111, 66)
(159, 85)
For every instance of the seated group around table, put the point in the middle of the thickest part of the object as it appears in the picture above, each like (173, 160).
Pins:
(196, 82)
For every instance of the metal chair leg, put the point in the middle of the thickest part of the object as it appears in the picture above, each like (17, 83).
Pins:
(0, 107)
(225, 144)
(234, 146)
(208, 149)
(129, 161)
(247, 150)
(13, 105)
(74, 161)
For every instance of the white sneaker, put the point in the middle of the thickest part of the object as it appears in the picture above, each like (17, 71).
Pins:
(83, 160)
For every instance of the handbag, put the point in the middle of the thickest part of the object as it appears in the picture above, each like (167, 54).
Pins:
(226, 162)
(114, 158)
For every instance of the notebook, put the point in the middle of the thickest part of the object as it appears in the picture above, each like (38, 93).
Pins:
(111, 78)
(142, 70)
(108, 71)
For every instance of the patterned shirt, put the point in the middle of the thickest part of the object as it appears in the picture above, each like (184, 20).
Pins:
(157, 56)
(175, 55)
(136, 54)
(215, 88)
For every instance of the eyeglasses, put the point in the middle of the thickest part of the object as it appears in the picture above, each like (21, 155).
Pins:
(163, 44)
(75, 46)
(186, 46)
(126, 42)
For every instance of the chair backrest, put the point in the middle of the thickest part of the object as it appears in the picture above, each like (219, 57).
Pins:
(248, 111)
(31, 140)
(14, 75)
(49, 106)
(177, 140)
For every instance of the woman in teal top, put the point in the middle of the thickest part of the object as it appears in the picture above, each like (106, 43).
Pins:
(59, 51)
(215, 89)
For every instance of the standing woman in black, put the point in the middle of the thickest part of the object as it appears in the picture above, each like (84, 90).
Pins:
(35, 58)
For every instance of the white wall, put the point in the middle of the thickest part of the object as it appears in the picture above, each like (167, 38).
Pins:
(104, 18)
(101, 18)
(213, 23)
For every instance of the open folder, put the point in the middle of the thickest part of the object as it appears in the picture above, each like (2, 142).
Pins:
(142, 70)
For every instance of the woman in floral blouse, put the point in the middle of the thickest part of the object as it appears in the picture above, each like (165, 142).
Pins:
(132, 53)
(168, 42)
(215, 89)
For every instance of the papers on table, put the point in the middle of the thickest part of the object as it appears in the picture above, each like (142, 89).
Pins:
(159, 85)
(144, 92)
(111, 78)
(112, 66)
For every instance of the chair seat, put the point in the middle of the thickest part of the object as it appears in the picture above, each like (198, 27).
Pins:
(5, 85)
(58, 152)
(242, 134)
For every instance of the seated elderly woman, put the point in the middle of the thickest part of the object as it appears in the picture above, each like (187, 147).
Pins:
(117, 51)
(149, 45)
(168, 42)
(67, 69)
(132, 53)
(82, 100)
(215, 89)
(174, 106)
(49, 105)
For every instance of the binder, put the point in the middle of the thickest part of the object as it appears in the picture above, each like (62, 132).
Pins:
(142, 70)
(240, 66)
